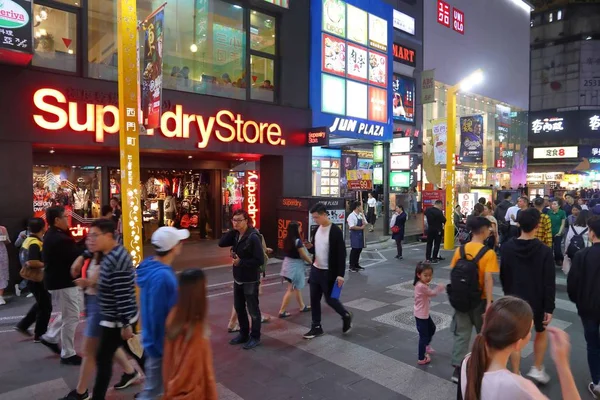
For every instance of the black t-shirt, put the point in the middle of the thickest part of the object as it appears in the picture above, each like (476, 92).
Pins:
(294, 252)
(35, 253)
(116, 215)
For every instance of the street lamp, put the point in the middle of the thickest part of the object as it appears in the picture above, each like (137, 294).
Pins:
(464, 85)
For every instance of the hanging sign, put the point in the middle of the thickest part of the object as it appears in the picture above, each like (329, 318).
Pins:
(152, 69)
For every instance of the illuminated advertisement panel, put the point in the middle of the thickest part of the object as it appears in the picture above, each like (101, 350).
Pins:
(351, 68)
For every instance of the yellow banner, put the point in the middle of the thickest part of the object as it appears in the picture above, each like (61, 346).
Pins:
(129, 127)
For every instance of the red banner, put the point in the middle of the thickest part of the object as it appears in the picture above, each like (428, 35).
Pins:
(360, 185)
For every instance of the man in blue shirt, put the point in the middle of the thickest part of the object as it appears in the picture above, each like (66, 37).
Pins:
(158, 294)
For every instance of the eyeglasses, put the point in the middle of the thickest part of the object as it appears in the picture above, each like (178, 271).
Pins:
(237, 220)
(93, 236)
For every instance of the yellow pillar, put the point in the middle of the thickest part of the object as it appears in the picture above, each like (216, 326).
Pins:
(129, 128)
(450, 167)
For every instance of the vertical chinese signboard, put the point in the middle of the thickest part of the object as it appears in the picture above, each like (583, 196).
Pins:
(428, 86)
(129, 81)
(152, 68)
(443, 13)
(15, 32)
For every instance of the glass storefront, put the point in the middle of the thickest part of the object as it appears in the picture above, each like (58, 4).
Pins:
(54, 38)
(205, 47)
(501, 151)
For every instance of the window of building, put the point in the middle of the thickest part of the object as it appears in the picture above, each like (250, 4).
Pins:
(54, 38)
(205, 47)
(550, 17)
(559, 15)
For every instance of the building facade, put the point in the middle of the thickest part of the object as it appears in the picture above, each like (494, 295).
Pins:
(235, 111)
(565, 95)
(460, 37)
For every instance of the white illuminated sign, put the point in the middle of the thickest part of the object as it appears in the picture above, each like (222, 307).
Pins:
(555, 152)
(399, 162)
(400, 145)
(404, 22)
(552, 124)
(595, 122)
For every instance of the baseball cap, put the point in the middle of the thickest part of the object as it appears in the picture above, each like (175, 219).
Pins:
(167, 237)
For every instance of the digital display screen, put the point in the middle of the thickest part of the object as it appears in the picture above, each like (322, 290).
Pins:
(403, 103)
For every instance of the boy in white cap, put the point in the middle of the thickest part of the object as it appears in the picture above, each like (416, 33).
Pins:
(158, 294)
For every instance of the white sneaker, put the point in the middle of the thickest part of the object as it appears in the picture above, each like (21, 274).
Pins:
(17, 290)
(539, 375)
(2, 301)
(594, 390)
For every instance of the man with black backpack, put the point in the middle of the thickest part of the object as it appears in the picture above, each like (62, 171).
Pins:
(470, 288)
(527, 271)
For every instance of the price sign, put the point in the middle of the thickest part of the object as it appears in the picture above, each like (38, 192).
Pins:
(360, 185)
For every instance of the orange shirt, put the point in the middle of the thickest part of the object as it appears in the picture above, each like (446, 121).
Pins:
(488, 263)
(188, 372)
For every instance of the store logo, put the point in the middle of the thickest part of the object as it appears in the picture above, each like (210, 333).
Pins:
(172, 125)
(252, 198)
(350, 125)
(552, 124)
(12, 15)
(595, 122)
(291, 203)
(404, 55)
(555, 152)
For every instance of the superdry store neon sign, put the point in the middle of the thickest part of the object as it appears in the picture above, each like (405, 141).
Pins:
(101, 120)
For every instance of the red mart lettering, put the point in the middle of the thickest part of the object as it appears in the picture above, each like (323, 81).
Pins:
(225, 126)
(402, 53)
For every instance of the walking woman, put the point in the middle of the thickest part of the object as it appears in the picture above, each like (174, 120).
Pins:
(3, 263)
(371, 211)
(397, 225)
(506, 329)
(188, 372)
(293, 268)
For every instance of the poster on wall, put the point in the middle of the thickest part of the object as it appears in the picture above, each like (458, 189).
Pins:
(357, 62)
(357, 25)
(152, 68)
(334, 17)
(404, 99)
(378, 33)
(377, 104)
(471, 138)
(466, 201)
(440, 129)
(334, 55)
(378, 68)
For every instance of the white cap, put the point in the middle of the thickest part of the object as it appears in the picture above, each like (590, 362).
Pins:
(167, 237)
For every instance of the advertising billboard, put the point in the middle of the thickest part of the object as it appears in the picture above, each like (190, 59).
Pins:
(403, 102)
(351, 68)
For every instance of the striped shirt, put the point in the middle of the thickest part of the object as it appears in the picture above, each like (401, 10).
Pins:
(116, 290)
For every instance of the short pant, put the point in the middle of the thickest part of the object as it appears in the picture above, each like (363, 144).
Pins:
(93, 317)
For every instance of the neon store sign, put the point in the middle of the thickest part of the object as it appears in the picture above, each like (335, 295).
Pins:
(252, 202)
(225, 126)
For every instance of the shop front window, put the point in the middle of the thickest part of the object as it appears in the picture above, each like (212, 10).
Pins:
(54, 38)
(78, 189)
(204, 47)
(262, 78)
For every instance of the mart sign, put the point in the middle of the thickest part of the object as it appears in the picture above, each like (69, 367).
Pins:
(12, 15)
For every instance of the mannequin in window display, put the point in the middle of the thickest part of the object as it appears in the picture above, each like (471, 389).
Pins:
(170, 208)
(80, 199)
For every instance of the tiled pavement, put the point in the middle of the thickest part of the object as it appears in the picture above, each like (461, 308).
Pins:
(376, 361)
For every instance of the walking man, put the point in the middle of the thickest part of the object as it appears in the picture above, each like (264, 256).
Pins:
(356, 224)
(328, 269)
(558, 218)
(33, 268)
(247, 256)
(500, 215)
(116, 298)
(544, 232)
(59, 253)
(158, 294)
(435, 227)
(527, 271)
(582, 285)
(471, 288)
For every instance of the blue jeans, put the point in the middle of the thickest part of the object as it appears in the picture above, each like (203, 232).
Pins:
(426, 329)
(591, 331)
(153, 385)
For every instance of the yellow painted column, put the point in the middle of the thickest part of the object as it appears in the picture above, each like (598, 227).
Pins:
(129, 127)
(450, 167)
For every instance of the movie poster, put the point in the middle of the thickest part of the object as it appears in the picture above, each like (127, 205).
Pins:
(471, 139)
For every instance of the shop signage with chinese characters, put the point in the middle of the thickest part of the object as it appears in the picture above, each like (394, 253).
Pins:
(552, 124)
(443, 13)
(428, 86)
(456, 18)
(404, 23)
(399, 180)
(404, 55)
(252, 199)
(555, 152)
(318, 137)
(466, 202)
(500, 164)
(399, 162)
(16, 32)
(595, 122)
(104, 119)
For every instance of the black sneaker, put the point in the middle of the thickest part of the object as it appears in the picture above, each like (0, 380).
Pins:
(52, 346)
(360, 268)
(440, 259)
(400, 257)
(252, 343)
(73, 395)
(23, 332)
(239, 339)
(456, 374)
(73, 360)
(127, 380)
(347, 327)
(314, 332)
(353, 269)
(435, 261)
